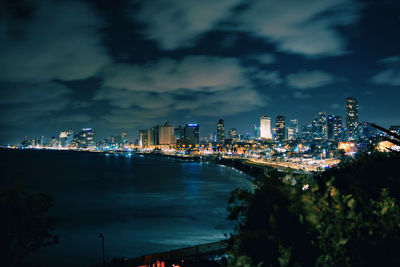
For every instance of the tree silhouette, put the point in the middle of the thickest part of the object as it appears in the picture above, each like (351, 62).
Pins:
(24, 224)
(350, 216)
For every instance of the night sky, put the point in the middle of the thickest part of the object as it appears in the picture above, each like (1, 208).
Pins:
(127, 65)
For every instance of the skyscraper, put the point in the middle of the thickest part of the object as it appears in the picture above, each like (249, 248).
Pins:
(293, 129)
(191, 133)
(322, 126)
(265, 127)
(335, 129)
(166, 135)
(351, 118)
(280, 128)
(221, 131)
(143, 138)
(85, 138)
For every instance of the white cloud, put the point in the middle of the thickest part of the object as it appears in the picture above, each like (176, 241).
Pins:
(193, 86)
(390, 75)
(309, 79)
(301, 95)
(60, 41)
(336, 106)
(303, 27)
(175, 23)
(195, 73)
(265, 59)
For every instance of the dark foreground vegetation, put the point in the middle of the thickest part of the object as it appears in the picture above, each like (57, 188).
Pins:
(24, 224)
(348, 216)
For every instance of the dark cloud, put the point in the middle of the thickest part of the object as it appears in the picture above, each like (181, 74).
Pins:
(25, 103)
(195, 86)
(391, 74)
(60, 40)
(175, 23)
(302, 27)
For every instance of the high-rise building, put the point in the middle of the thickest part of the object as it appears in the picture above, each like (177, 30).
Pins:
(124, 139)
(280, 128)
(143, 138)
(62, 139)
(233, 135)
(351, 119)
(293, 129)
(335, 128)
(166, 135)
(321, 126)
(179, 132)
(85, 138)
(265, 127)
(192, 133)
(221, 131)
(307, 132)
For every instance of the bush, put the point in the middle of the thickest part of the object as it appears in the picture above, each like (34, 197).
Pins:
(350, 216)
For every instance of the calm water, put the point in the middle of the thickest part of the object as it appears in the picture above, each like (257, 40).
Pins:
(141, 204)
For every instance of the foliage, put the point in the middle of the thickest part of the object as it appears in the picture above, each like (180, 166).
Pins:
(24, 224)
(349, 217)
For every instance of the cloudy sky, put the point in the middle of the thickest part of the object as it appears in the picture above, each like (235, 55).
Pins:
(126, 65)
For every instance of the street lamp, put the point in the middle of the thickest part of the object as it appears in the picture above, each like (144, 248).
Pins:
(101, 235)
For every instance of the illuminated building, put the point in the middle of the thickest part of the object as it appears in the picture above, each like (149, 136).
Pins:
(321, 126)
(280, 128)
(124, 139)
(143, 138)
(221, 131)
(265, 127)
(386, 146)
(63, 138)
(191, 133)
(395, 129)
(335, 128)
(307, 132)
(351, 119)
(166, 135)
(348, 147)
(233, 135)
(293, 129)
(85, 138)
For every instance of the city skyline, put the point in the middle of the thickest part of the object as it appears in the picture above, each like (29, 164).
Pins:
(129, 66)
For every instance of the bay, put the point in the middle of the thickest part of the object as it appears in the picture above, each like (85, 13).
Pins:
(141, 204)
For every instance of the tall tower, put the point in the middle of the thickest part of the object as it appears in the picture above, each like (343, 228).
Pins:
(265, 127)
(221, 131)
(335, 127)
(191, 133)
(322, 125)
(293, 129)
(351, 119)
(280, 128)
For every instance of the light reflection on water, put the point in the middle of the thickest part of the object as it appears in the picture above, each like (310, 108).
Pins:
(141, 204)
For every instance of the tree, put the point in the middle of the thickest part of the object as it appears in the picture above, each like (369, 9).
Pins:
(24, 224)
(350, 216)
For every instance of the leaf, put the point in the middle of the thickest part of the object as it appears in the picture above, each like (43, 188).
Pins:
(384, 210)
(351, 203)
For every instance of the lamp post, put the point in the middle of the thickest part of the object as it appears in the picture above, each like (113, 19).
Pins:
(101, 235)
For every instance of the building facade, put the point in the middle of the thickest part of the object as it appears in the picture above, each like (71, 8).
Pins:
(265, 127)
(351, 119)
(280, 128)
(221, 131)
